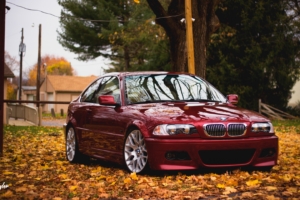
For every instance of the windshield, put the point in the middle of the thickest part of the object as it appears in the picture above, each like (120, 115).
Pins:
(164, 87)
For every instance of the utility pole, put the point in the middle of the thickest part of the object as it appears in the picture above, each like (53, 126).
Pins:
(2, 45)
(22, 48)
(38, 78)
(189, 36)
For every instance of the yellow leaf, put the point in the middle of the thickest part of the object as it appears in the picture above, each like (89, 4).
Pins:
(7, 194)
(58, 162)
(57, 198)
(101, 177)
(271, 188)
(127, 180)
(292, 189)
(45, 167)
(133, 176)
(136, 1)
(229, 190)
(63, 176)
(143, 180)
(113, 183)
(287, 178)
(21, 189)
(252, 182)
(271, 197)
(20, 175)
(72, 188)
(151, 184)
(232, 182)
(7, 173)
(66, 180)
(220, 185)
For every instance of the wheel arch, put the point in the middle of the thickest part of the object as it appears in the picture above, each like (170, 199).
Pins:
(139, 125)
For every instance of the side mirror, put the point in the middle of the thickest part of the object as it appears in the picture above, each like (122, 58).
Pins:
(108, 100)
(233, 98)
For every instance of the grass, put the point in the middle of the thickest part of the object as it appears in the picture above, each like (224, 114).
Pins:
(286, 125)
(33, 130)
(57, 116)
(291, 122)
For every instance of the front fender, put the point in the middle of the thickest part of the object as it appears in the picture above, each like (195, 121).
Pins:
(143, 127)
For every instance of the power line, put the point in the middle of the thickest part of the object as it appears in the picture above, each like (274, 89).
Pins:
(33, 9)
(82, 19)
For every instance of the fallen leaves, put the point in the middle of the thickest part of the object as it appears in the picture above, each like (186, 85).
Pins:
(34, 167)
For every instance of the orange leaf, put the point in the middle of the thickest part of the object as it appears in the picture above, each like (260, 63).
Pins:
(72, 188)
(133, 176)
(127, 180)
(252, 183)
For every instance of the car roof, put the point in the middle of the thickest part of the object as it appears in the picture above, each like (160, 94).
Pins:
(141, 73)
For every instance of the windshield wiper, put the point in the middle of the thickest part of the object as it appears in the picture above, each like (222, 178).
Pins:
(175, 101)
(150, 101)
(199, 100)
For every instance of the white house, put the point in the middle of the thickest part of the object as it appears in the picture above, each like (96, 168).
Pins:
(295, 99)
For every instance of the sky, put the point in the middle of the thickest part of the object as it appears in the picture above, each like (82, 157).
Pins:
(18, 18)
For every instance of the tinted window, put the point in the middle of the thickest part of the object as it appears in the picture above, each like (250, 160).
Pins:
(88, 95)
(145, 88)
(109, 86)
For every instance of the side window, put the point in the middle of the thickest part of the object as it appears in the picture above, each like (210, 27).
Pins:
(110, 86)
(89, 94)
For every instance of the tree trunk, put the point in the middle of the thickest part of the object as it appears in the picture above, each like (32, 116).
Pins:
(126, 58)
(206, 22)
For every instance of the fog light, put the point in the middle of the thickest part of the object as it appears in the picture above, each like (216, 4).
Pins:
(170, 156)
(269, 152)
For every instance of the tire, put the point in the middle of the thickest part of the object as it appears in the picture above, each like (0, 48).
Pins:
(72, 152)
(135, 152)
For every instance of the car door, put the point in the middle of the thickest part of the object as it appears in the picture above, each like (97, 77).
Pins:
(86, 103)
(104, 124)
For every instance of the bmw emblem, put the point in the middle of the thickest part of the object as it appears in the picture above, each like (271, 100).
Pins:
(223, 118)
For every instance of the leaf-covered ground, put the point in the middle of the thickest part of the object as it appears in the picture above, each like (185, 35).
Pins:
(34, 167)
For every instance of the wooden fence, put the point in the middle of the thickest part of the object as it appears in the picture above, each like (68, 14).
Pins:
(273, 113)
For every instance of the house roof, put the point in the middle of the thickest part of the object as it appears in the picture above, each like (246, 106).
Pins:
(7, 72)
(29, 87)
(70, 83)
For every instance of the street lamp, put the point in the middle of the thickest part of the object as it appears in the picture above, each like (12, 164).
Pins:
(22, 50)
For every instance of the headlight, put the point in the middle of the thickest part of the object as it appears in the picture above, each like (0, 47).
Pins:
(265, 127)
(173, 129)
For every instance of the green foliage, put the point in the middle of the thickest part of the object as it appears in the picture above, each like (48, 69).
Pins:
(60, 68)
(54, 66)
(32, 130)
(253, 53)
(120, 30)
(294, 110)
(287, 126)
(57, 116)
(287, 123)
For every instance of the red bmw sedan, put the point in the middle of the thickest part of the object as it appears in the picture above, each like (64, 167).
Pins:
(166, 121)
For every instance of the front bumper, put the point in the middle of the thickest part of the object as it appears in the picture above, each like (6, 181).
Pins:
(196, 153)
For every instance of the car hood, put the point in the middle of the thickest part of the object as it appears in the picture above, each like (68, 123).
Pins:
(182, 112)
